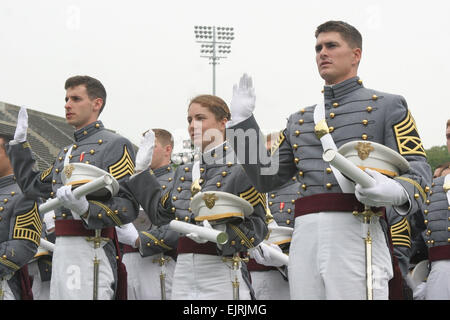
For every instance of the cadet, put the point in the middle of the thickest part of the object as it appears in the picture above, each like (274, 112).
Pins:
(327, 256)
(436, 214)
(80, 257)
(269, 277)
(203, 268)
(20, 225)
(150, 255)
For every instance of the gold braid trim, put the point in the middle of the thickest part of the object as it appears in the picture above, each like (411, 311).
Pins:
(401, 233)
(159, 243)
(108, 211)
(415, 184)
(9, 264)
(164, 199)
(241, 235)
(29, 226)
(46, 173)
(123, 167)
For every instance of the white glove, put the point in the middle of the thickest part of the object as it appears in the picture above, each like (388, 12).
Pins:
(127, 234)
(262, 255)
(386, 192)
(49, 221)
(20, 135)
(68, 200)
(194, 236)
(243, 100)
(420, 291)
(145, 153)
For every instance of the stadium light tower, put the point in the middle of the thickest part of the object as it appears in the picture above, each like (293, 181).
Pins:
(215, 45)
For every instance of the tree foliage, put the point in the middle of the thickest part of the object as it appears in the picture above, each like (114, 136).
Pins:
(437, 155)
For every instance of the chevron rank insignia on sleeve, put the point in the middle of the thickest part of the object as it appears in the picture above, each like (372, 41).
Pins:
(254, 197)
(123, 167)
(408, 140)
(276, 145)
(46, 173)
(401, 234)
(29, 226)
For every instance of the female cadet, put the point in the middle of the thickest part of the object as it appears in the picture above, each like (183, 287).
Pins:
(203, 269)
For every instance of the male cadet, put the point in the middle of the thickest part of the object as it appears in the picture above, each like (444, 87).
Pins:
(436, 215)
(269, 278)
(150, 254)
(20, 232)
(327, 254)
(84, 263)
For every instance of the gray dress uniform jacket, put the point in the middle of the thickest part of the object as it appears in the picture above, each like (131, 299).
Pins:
(352, 112)
(20, 231)
(221, 173)
(436, 216)
(160, 239)
(93, 145)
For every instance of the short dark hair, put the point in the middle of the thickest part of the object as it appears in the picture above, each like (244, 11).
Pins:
(6, 138)
(164, 137)
(440, 169)
(94, 87)
(348, 32)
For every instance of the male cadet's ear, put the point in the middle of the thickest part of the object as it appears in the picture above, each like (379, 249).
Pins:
(98, 103)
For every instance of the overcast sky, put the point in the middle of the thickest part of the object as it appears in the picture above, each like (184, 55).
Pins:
(145, 54)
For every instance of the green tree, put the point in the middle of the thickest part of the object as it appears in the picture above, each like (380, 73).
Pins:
(437, 155)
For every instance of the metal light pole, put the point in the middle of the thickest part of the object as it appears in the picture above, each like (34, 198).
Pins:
(215, 44)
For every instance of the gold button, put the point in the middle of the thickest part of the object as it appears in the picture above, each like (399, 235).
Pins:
(229, 164)
(182, 179)
(100, 141)
(295, 146)
(365, 122)
(116, 211)
(13, 193)
(428, 232)
(97, 125)
(202, 170)
(374, 97)
(4, 256)
(272, 195)
(70, 156)
(225, 148)
(331, 129)
(1, 209)
(179, 189)
(218, 184)
(289, 210)
(288, 221)
(302, 111)
(170, 179)
(270, 203)
(293, 201)
(297, 133)
(428, 201)
(174, 198)
(233, 243)
(60, 158)
(75, 146)
(163, 187)
(332, 115)
(300, 173)
(186, 169)
(52, 194)
(224, 173)
(173, 209)
(425, 221)
(201, 181)
(364, 137)
(335, 104)
(189, 209)
(432, 241)
(369, 109)
(304, 186)
(328, 185)
(294, 178)
(176, 218)
(64, 215)
(328, 170)
(169, 168)
(296, 160)
(99, 215)
(85, 132)
(242, 242)
(5, 200)
(57, 170)
(148, 244)
(92, 151)
(425, 211)
(427, 189)
(252, 240)
(87, 162)
(360, 82)
(53, 181)
(65, 150)
(416, 196)
(301, 121)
